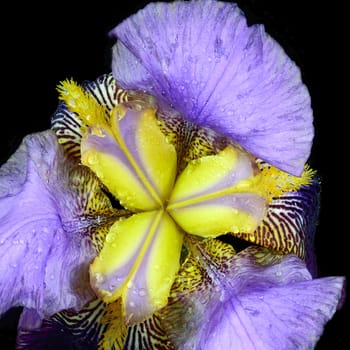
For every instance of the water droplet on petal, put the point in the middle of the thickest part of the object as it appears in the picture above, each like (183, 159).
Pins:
(100, 278)
(92, 159)
(110, 238)
(129, 285)
(142, 292)
(112, 287)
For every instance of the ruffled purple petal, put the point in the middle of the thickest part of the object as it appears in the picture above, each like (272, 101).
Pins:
(43, 261)
(256, 299)
(202, 58)
(292, 317)
(276, 307)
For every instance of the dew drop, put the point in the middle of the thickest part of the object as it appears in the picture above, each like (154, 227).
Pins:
(100, 278)
(92, 159)
(112, 287)
(142, 292)
(110, 238)
(129, 285)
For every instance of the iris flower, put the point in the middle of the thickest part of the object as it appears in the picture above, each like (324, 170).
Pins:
(122, 226)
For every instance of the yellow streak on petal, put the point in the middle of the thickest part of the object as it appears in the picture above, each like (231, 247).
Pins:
(119, 180)
(157, 154)
(165, 261)
(126, 239)
(200, 175)
(214, 220)
(158, 157)
(210, 197)
(149, 244)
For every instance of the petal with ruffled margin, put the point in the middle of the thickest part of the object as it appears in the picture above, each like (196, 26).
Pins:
(45, 244)
(202, 58)
(256, 299)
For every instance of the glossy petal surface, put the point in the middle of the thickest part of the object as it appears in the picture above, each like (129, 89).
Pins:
(143, 271)
(255, 299)
(43, 263)
(211, 196)
(201, 58)
(124, 159)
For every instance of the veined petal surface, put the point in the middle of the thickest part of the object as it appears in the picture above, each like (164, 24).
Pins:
(212, 196)
(255, 299)
(44, 256)
(201, 58)
(138, 262)
(124, 158)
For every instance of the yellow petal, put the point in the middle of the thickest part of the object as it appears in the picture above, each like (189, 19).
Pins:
(132, 158)
(214, 218)
(138, 263)
(216, 194)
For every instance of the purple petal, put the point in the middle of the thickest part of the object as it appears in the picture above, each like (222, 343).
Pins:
(202, 58)
(278, 317)
(43, 262)
(276, 307)
(256, 299)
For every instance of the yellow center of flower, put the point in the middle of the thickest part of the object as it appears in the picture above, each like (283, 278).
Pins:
(134, 159)
(141, 254)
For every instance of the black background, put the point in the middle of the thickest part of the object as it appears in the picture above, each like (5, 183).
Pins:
(44, 44)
